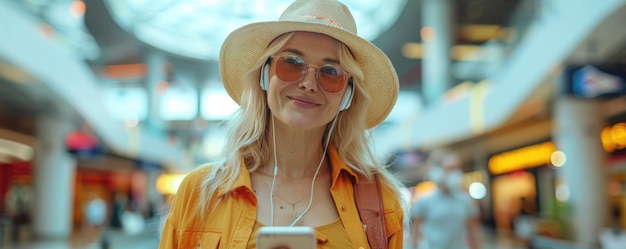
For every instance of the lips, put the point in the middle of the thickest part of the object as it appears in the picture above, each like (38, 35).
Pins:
(303, 102)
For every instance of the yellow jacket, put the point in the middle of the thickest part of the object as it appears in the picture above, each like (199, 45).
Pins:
(230, 223)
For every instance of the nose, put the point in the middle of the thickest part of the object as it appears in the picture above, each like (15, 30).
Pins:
(309, 80)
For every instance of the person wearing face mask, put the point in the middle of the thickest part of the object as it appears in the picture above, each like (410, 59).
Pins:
(447, 218)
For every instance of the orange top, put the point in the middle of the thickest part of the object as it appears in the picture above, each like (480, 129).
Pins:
(231, 223)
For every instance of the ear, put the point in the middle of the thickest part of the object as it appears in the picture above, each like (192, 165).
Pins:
(347, 96)
(264, 79)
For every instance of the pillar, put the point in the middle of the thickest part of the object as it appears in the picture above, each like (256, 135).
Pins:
(577, 127)
(53, 177)
(156, 63)
(436, 16)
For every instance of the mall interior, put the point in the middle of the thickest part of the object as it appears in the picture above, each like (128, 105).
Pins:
(110, 103)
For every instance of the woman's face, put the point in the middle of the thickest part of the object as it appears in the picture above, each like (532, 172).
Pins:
(303, 103)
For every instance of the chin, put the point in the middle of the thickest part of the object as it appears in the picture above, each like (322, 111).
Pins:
(305, 124)
(304, 120)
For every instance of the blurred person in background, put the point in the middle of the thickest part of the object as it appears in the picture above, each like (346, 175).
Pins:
(447, 218)
(310, 90)
(614, 237)
(525, 222)
(95, 212)
(18, 206)
(132, 219)
(95, 219)
(118, 206)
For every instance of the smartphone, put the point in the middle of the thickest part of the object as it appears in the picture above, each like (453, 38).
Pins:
(286, 237)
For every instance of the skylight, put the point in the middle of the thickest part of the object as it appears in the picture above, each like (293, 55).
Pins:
(197, 28)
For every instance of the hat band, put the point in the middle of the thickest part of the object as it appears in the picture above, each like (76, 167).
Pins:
(318, 19)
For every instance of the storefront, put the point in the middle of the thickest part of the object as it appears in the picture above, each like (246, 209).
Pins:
(522, 180)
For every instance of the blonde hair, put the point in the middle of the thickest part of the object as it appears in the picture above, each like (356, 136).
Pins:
(249, 143)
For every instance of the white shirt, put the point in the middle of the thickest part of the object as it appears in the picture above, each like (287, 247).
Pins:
(444, 219)
(611, 240)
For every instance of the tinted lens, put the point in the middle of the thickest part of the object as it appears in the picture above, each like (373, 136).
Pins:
(292, 68)
(331, 78)
(289, 68)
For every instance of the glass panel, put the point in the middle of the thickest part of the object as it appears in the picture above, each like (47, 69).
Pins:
(179, 104)
(217, 104)
(124, 103)
(202, 25)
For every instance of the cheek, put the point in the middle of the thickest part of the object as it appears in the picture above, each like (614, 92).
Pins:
(335, 100)
(274, 97)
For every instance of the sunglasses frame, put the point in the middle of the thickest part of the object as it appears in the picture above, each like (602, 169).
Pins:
(305, 70)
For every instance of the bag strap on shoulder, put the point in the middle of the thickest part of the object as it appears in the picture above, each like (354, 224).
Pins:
(370, 206)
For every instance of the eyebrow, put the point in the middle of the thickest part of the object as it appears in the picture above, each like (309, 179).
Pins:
(300, 53)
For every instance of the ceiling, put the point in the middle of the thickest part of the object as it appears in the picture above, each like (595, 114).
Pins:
(117, 46)
(21, 98)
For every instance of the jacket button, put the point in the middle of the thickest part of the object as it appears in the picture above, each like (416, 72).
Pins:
(199, 245)
(343, 208)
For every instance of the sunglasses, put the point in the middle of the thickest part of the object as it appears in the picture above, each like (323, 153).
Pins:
(291, 68)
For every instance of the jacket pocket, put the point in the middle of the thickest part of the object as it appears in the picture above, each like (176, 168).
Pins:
(200, 239)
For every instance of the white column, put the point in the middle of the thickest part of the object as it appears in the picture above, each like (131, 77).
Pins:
(436, 79)
(53, 176)
(156, 64)
(577, 127)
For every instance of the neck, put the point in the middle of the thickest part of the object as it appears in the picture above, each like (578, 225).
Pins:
(298, 152)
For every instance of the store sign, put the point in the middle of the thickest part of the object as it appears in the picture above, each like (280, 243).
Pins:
(523, 158)
(82, 144)
(614, 137)
(594, 82)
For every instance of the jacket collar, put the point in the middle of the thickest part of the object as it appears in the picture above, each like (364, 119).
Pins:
(338, 166)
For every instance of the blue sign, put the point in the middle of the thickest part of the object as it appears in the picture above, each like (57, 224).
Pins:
(595, 82)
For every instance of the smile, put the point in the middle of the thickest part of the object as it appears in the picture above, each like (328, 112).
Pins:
(303, 102)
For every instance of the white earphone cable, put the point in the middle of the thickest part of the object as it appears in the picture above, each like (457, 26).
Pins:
(315, 176)
(274, 177)
(319, 166)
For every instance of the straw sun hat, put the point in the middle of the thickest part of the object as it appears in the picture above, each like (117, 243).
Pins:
(243, 47)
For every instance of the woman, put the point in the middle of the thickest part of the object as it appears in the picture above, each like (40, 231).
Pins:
(309, 90)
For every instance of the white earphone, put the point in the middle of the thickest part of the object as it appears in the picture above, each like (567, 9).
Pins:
(347, 97)
(345, 101)
(265, 77)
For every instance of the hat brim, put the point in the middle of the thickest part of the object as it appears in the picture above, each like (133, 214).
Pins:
(243, 47)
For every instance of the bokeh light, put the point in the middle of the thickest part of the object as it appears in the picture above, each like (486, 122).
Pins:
(477, 190)
(168, 183)
(562, 192)
(558, 158)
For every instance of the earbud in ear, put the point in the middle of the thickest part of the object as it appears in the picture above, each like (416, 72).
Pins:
(264, 79)
(347, 97)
